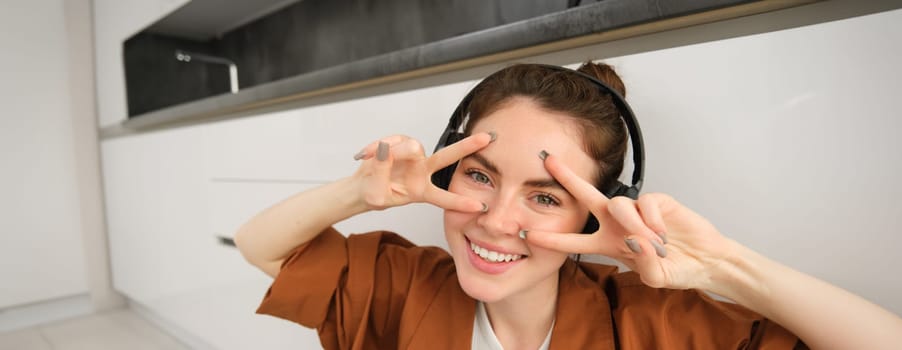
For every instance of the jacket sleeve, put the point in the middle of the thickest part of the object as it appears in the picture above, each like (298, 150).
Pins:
(352, 290)
(689, 319)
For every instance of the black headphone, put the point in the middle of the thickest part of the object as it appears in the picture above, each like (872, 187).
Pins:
(454, 132)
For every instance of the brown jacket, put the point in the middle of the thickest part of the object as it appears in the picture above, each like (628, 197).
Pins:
(379, 291)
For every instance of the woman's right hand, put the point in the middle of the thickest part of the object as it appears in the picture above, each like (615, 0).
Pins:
(395, 171)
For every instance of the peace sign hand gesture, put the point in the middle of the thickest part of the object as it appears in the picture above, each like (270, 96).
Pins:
(669, 245)
(395, 172)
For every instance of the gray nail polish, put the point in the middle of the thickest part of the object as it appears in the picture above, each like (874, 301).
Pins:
(493, 135)
(663, 237)
(659, 249)
(523, 233)
(359, 155)
(543, 154)
(382, 151)
(485, 208)
(631, 243)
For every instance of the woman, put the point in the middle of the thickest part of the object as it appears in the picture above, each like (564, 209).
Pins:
(540, 144)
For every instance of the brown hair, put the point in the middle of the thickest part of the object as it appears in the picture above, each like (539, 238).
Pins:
(599, 123)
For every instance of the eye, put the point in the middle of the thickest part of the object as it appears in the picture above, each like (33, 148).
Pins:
(547, 200)
(478, 176)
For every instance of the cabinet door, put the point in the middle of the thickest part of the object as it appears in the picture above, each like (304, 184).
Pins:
(317, 144)
(156, 212)
(172, 195)
(232, 203)
(220, 309)
(266, 147)
(166, 257)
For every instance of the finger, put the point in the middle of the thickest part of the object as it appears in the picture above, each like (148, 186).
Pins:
(411, 150)
(369, 150)
(646, 262)
(650, 209)
(452, 201)
(625, 212)
(577, 243)
(408, 149)
(579, 188)
(377, 193)
(456, 151)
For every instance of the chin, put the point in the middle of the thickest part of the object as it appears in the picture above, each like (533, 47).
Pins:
(472, 284)
(478, 290)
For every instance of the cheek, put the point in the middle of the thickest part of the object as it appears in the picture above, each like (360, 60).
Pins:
(545, 261)
(455, 220)
(578, 220)
(567, 221)
(460, 186)
(553, 256)
(454, 185)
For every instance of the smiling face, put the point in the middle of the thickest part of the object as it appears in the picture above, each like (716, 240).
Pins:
(493, 263)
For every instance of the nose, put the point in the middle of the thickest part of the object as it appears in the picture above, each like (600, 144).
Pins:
(503, 216)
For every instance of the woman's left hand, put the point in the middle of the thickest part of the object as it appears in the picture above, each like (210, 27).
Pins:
(699, 257)
(669, 245)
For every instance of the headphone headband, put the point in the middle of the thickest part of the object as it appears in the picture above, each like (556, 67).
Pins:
(452, 134)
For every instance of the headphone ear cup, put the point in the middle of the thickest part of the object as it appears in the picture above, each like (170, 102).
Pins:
(591, 224)
(619, 189)
(442, 178)
(631, 192)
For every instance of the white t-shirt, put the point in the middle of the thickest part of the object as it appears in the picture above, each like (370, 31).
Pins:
(484, 337)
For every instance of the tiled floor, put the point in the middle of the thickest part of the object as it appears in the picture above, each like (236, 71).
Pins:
(119, 329)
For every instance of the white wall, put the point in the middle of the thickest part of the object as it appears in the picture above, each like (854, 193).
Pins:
(41, 253)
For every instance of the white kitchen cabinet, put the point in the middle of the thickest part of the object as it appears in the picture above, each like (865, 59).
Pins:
(232, 203)
(156, 212)
(165, 254)
(172, 194)
(333, 133)
(317, 144)
(218, 311)
(262, 148)
(254, 163)
(235, 289)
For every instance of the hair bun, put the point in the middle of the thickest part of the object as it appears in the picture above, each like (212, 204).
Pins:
(606, 74)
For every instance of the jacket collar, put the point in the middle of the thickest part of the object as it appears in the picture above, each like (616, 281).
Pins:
(583, 318)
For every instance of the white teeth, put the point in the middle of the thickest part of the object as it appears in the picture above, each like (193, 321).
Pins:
(491, 256)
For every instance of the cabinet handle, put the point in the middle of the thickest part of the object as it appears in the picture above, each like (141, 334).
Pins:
(226, 241)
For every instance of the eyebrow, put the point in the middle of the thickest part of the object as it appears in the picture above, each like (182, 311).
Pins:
(538, 183)
(485, 163)
(545, 183)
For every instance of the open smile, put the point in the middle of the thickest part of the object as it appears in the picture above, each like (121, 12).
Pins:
(493, 256)
(491, 261)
